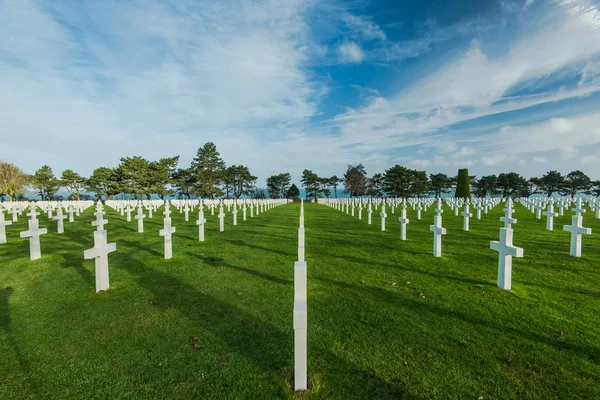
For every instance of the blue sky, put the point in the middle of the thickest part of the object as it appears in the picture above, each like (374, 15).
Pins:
(281, 86)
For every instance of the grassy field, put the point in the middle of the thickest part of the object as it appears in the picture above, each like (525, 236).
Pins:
(386, 318)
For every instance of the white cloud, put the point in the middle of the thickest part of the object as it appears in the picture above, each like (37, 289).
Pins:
(568, 152)
(561, 125)
(363, 27)
(539, 159)
(419, 163)
(590, 159)
(493, 160)
(350, 52)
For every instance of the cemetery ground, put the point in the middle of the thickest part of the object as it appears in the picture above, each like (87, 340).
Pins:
(385, 318)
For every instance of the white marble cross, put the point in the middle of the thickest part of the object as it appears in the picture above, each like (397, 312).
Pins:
(14, 213)
(300, 312)
(508, 219)
(100, 221)
(60, 218)
(538, 210)
(186, 212)
(550, 214)
(360, 212)
(200, 222)
(506, 251)
(369, 213)
(403, 222)
(100, 253)
(140, 218)
(478, 208)
(167, 232)
(234, 213)
(128, 211)
(383, 216)
(3, 225)
(437, 230)
(466, 214)
(222, 218)
(33, 234)
(244, 212)
(419, 208)
(576, 228)
(70, 211)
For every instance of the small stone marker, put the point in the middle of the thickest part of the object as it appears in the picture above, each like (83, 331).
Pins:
(576, 228)
(167, 232)
(100, 253)
(33, 234)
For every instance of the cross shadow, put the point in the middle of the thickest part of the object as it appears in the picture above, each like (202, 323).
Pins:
(254, 338)
(5, 294)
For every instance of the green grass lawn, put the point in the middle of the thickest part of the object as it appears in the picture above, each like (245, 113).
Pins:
(386, 318)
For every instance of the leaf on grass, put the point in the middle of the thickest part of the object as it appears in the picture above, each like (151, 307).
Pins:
(195, 338)
(196, 346)
(362, 281)
(222, 363)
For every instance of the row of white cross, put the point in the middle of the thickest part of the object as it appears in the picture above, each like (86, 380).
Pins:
(506, 249)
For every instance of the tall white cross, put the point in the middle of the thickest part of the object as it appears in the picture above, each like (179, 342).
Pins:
(60, 218)
(222, 218)
(70, 211)
(466, 214)
(167, 233)
(419, 208)
(550, 214)
(383, 216)
(300, 312)
(186, 211)
(403, 222)
(508, 219)
(33, 234)
(478, 208)
(128, 211)
(100, 221)
(244, 212)
(14, 213)
(234, 213)
(506, 251)
(3, 225)
(140, 218)
(576, 228)
(200, 222)
(100, 253)
(369, 214)
(437, 230)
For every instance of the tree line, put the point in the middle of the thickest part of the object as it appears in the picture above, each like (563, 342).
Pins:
(136, 177)
(399, 181)
(208, 177)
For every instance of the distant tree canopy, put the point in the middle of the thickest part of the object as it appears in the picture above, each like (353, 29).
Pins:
(208, 177)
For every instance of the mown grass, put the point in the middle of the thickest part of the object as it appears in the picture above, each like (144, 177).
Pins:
(386, 318)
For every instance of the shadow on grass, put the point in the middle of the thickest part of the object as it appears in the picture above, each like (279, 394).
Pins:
(219, 262)
(588, 352)
(255, 339)
(5, 294)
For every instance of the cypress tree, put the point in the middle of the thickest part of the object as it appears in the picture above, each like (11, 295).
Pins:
(463, 189)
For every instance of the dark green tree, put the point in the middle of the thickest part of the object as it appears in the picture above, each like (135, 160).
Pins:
(242, 181)
(311, 183)
(184, 181)
(463, 184)
(356, 181)
(208, 168)
(277, 185)
(45, 182)
(510, 184)
(334, 181)
(103, 182)
(552, 182)
(293, 192)
(400, 181)
(595, 188)
(576, 182)
(440, 183)
(73, 182)
(375, 186)
(486, 185)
